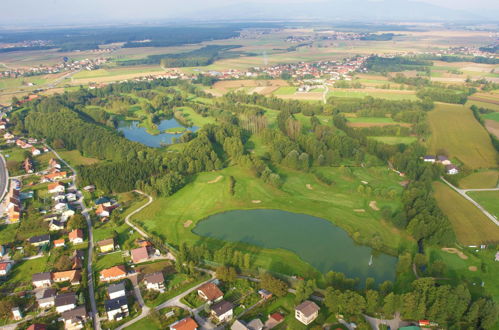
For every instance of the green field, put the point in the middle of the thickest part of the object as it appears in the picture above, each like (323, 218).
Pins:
(99, 73)
(376, 94)
(471, 226)
(481, 104)
(491, 116)
(465, 139)
(195, 118)
(285, 90)
(395, 139)
(74, 158)
(382, 120)
(167, 217)
(488, 199)
(480, 180)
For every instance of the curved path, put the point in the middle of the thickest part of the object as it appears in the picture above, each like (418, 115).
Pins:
(127, 219)
(4, 177)
(463, 192)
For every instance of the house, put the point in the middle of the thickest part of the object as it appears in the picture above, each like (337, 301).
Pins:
(56, 187)
(17, 314)
(116, 309)
(41, 280)
(61, 207)
(76, 236)
(45, 298)
(116, 290)
(239, 325)
(429, 159)
(54, 164)
(306, 312)
(139, 255)
(72, 276)
(106, 245)
(50, 217)
(37, 326)
(255, 324)
(210, 292)
(35, 152)
(264, 294)
(101, 200)
(59, 242)
(497, 256)
(443, 160)
(185, 324)
(89, 188)
(39, 240)
(273, 320)
(56, 225)
(54, 176)
(451, 169)
(77, 259)
(222, 311)
(155, 281)
(14, 214)
(71, 197)
(113, 274)
(102, 211)
(75, 318)
(5, 268)
(28, 166)
(65, 302)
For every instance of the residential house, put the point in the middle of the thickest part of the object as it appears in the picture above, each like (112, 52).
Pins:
(306, 312)
(264, 294)
(75, 318)
(45, 298)
(451, 169)
(8, 136)
(429, 159)
(28, 166)
(35, 152)
(116, 309)
(59, 242)
(14, 214)
(17, 314)
(443, 160)
(56, 225)
(102, 211)
(113, 274)
(54, 164)
(273, 320)
(239, 325)
(139, 255)
(5, 267)
(73, 276)
(77, 259)
(71, 197)
(155, 281)
(56, 187)
(61, 207)
(210, 292)
(101, 200)
(116, 290)
(37, 326)
(185, 324)
(54, 176)
(222, 311)
(39, 240)
(106, 245)
(50, 217)
(89, 188)
(76, 236)
(255, 324)
(65, 302)
(41, 280)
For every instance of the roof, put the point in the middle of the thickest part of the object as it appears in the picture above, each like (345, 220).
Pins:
(308, 308)
(222, 307)
(54, 185)
(139, 254)
(238, 325)
(105, 242)
(154, 278)
(64, 299)
(277, 316)
(48, 293)
(3, 265)
(116, 287)
(450, 167)
(41, 277)
(442, 158)
(76, 233)
(38, 239)
(37, 326)
(101, 200)
(78, 312)
(73, 275)
(255, 324)
(185, 324)
(58, 241)
(211, 291)
(429, 157)
(115, 304)
(113, 271)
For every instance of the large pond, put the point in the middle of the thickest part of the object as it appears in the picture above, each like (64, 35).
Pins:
(134, 132)
(315, 240)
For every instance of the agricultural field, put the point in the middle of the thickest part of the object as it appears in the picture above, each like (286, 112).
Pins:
(488, 199)
(264, 87)
(465, 139)
(480, 180)
(388, 94)
(74, 158)
(114, 74)
(471, 226)
(360, 122)
(393, 140)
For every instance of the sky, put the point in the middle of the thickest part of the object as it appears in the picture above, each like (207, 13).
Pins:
(60, 12)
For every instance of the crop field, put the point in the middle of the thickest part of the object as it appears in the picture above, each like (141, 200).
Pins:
(491, 116)
(493, 127)
(209, 194)
(481, 104)
(115, 74)
(465, 139)
(285, 90)
(389, 94)
(480, 180)
(471, 226)
(488, 199)
(395, 139)
(360, 122)
(259, 86)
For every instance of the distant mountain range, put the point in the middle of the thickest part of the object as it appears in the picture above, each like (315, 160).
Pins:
(345, 10)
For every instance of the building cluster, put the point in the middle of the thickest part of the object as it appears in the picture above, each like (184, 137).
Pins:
(450, 168)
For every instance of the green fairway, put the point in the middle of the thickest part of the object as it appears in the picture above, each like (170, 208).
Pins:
(480, 180)
(394, 95)
(285, 90)
(370, 120)
(392, 140)
(491, 116)
(488, 199)
(339, 203)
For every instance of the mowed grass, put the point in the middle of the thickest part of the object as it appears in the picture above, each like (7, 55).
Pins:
(385, 94)
(488, 199)
(393, 140)
(169, 217)
(75, 158)
(492, 116)
(471, 226)
(382, 120)
(285, 90)
(480, 180)
(456, 131)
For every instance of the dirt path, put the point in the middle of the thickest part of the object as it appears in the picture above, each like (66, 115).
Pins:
(216, 180)
(456, 251)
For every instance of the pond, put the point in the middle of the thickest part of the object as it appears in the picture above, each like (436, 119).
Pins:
(315, 240)
(134, 132)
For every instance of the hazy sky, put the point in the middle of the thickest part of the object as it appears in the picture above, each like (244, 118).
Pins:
(53, 12)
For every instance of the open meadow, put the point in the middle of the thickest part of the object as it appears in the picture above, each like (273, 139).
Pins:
(465, 140)
(488, 199)
(480, 180)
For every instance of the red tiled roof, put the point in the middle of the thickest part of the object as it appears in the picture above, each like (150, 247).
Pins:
(76, 233)
(113, 272)
(185, 324)
(139, 254)
(211, 291)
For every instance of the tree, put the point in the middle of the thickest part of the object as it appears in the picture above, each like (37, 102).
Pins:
(274, 285)
(304, 290)
(390, 305)
(226, 274)
(373, 300)
(77, 221)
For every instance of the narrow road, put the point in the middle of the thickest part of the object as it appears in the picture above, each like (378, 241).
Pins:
(4, 177)
(324, 95)
(462, 192)
(90, 273)
(127, 219)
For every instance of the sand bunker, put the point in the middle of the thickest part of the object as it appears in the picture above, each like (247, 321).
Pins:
(472, 268)
(256, 201)
(187, 223)
(216, 180)
(374, 205)
(456, 251)
(359, 210)
(309, 186)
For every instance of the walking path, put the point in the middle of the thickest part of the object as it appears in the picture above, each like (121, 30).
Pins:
(463, 192)
(127, 219)
(4, 177)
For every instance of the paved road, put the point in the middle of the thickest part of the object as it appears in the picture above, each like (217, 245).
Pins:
(127, 219)
(91, 290)
(4, 177)
(463, 192)
(393, 324)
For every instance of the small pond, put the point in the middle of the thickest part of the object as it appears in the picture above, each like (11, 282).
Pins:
(134, 132)
(315, 240)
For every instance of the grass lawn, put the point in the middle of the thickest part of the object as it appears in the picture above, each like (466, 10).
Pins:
(285, 90)
(8, 233)
(465, 139)
(492, 116)
(196, 118)
(75, 158)
(167, 217)
(146, 323)
(109, 260)
(370, 120)
(395, 139)
(385, 94)
(480, 180)
(488, 199)
(482, 104)
(175, 285)
(22, 271)
(471, 226)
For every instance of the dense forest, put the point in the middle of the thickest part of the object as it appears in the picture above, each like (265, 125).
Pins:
(396, 64)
